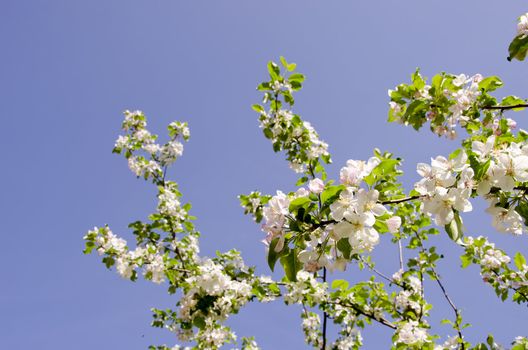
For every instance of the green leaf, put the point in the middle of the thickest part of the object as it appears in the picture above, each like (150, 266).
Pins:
(89, 247)
(519, 347)
(490, 340)
(344, 247)
(415, 114)
(490, 83)
(512, 101)
(417, 80)
(519, 260)
(274, 70)
(291, 265)
(299, 202)
(518, 48)
(301, 181)
(331, 192)
(340, 284)
(258, 108)
(297, 77)
(466, 261)
(522, 210)
(455, 229)
(199, 322)
(273, 256)
(480, 169)
(289, 66)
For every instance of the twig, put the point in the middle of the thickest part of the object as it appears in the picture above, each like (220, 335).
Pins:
(401, 253)
(455, 309)
(503, 108)
(360, 311)
(325, 316)
(379, 273)
(401, 200)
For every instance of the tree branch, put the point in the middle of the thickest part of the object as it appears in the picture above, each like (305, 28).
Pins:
(401, 200)
(325, 316)
(503, 108)
(457, 312)
(360, 311)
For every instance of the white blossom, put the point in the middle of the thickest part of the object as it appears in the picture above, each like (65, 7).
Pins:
(356, 170)
(411, 333)
(316, 186)
(522, 26)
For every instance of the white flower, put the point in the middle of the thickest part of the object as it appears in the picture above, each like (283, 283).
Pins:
(494, 258)
(121, 142)
(316, 186)
(367, 202)
(508, 169)
(356, 170)
(152, 148)
(394, 224)
(442, 203)
(410, 333)
(505, 220)
(171, 151)
(359, 232)
(522, 26)
(403, 301)
(124, 267)
(155, 268)
(344, 205)
(483, 150)
(298, 167)
(275, 212)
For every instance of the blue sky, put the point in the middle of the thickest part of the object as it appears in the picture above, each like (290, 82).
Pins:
(68, 70)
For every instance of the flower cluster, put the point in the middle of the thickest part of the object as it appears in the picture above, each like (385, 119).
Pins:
(449, 101)
(504, 168)
(298, 138)
(325, 225)
(495, 268)
(411, 333)
(349, 335)
(355, 212)
(306, 290)
(253, 204)
(286, 130)
(156, 156)
(211, 297)
(445, 187)
(311, 326)
(127, 261)
(464, 98)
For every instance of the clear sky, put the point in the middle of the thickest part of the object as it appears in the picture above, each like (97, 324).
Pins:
(69, 68)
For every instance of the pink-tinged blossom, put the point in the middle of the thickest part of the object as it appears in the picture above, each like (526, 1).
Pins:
(394, 224)
(356, 170)
(522, 26)
(274, 214)
(494, 258)
(316, 186)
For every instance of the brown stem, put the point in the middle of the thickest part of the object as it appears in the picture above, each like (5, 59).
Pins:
(503, 108)
(325, 316)
(457, 312)
(401, 200)
(360, 311)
